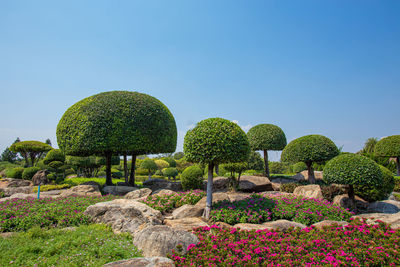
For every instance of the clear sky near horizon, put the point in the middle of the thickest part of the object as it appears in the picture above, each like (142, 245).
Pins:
(310, 67)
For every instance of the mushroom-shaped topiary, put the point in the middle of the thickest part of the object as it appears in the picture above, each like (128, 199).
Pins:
(266, 137)
(149, 165)
(116, 122)
(309, 149)
(352, 169)
(214, 141)
(54, 155)
(389, 147)
(30, 150)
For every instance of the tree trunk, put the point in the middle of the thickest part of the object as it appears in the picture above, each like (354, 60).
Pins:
(351, 197)
(398, 165)
(108, 168)
(207, 210)
(266, 163)
(311, 176)
(32, 155)
(132, 177)
(126, 168)
(217, 169)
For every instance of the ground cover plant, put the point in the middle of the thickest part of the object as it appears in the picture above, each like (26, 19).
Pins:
(92, 245)
(23, 214)
(357, 244)
(168, 202)
(259, 209)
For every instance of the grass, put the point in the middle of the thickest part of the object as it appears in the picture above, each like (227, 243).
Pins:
(49, 187)
(92, 245)
(101, 181)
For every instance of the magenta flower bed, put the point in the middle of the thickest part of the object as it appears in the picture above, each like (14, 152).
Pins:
(23, 214)
(357, 244)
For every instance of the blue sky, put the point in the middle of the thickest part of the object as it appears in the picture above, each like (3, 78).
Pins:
(310, 67)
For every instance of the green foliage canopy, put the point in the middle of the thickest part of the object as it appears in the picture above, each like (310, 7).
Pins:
(388, 146)
(54, 155)
(266, 137)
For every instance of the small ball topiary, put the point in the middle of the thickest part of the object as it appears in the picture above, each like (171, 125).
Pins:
(379, 192)
(171, 161)
(266, 137)
(161, 164)
(192, 178)
(299, 167)
(15, 172)
(170, 172)
(29, 172)
(390, 147)
(309, 149)
(149, 165)
(352, 169)
(54, 155)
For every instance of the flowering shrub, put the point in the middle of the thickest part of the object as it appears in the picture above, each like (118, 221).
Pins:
(168, 202)
(357, 244)
(23, 214)
(258, 209)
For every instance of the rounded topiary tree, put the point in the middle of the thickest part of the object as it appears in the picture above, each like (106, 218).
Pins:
(150, 165)
(192, 178)
(214, 141)
(389, 147)
(30, 150)
(54, 155)
(161, 164)
(170, 172)
(309, 149)
(116, 122)
(255, 162)
(352, 169)
(171, 161)
(266, 137)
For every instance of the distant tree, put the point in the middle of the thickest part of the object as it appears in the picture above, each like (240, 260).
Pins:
(369, 145)
(236, 167)
(390, 147)
(8, 155)
(48, 141)
(255, 162)
(113, 122)
(30, 150)
(309, 149)
(214, 141)
(266, 137)
(150, 165)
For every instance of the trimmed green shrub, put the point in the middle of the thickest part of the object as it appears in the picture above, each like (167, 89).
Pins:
(15, 172)
(266, 137)
(30, 150)
(396, 184)
(255, 162)
(277, 167)
(170, 172)
(178, 155)
(115, 173)
(309, 149)
(161, 164)
(7, 165)
(390, 147)
(192, 178)
(379, 192)
(29, 172)
(171, 162)
(54, 155)
(299, 167)
(149, 165)
(52, 176)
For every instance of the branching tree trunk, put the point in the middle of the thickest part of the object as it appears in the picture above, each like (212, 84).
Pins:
(126, 168)
(108, 168)
(132, 177)
(207, 210)
(311, 176)
(266, 163)
(398, 165)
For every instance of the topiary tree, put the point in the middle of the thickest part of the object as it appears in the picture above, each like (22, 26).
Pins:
(54, 155)
(171, 161)
(89, 166)
(389, 147)
(178, 155)
(161, 164)
(29, 172)
(192, 178)
(149, 165)
(352, 169)
(114, 122)
(237, 167)
(309, 149)
(30, 150)
(214, 141)
(255, 162)
(170, 172)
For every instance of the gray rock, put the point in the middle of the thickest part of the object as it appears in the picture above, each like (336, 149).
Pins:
(82, 191)
(124, 215)
(157, 184)
(215, 198)
(304, 175)
(161, 239)
(345, 202)
(186, 224)
(163, 192)
(327, 223)
(139, 193)
(309, 191)
(220, 184)
(143, 262)
(186, 211)
(118, 190)
(284, 225)
(40, 178)
(11, 182)
(392, 219)
(254, 184)
(252, 226)
(386, 206)
(9, 191)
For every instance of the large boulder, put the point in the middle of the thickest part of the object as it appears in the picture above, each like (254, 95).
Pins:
(284, 225)
(11, 182)
(328, 223)
(9, 191)
(220, 184)
(159, 240)
(251, 226)
(345, 202)
(118, 190)
(254, 184)
(26, 196)
(301, 176)
(143, 262)
(40, 178)
(309, 191)
(386, 206)
(238, 196)
(124, 215)
(187, 211)
(139, 193)
(163, 192)
(82, 191)
(157, 184)
(186, 224)
(372, 218)
(215, 198)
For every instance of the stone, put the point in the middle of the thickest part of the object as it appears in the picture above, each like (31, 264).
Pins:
(143, 262)
(284, 225)
(254, 184)
(238, 196)
(186, 224)
(163, 192)
(223, 225)
(220, 184)
(386, 206)
(40, 178)
(392, 219)
(159, 240)
(9, 191)
(304, 175)
(276, 194)
(187, 211)
(11, 182)
(276, 186)
(82, 191)
(328, 223)
(124, 215)
(91, 183)
(215, 198)
(138, 193)
(118, 190)
(309, 191)
(344, 202)
(25, 196)
(157, 184)
(252, 226)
